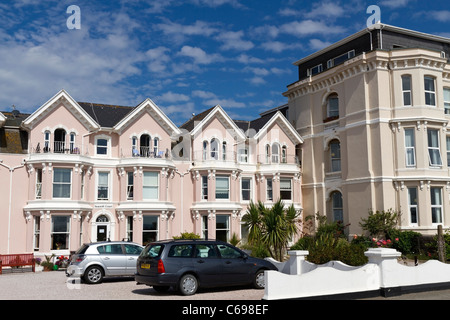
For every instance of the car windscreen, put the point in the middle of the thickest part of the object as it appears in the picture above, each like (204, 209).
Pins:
(152, 251)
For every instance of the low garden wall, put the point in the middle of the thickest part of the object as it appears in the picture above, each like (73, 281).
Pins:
(382, 275)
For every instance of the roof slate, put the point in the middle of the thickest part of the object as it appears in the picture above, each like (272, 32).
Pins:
(105, 115)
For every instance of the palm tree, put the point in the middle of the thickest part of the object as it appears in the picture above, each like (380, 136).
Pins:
(272, 227)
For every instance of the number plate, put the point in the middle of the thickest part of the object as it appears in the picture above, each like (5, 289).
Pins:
(145, 265)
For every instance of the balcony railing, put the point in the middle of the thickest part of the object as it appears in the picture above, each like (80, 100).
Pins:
(146, 152)
(278, 159)
(61, 147)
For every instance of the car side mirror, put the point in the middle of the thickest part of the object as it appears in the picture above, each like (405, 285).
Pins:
(244, 256)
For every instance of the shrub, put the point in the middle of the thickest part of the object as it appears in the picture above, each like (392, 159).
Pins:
(407, 242)
(188, 235)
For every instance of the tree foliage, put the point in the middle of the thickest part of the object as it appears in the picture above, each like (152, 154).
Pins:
(272, 227)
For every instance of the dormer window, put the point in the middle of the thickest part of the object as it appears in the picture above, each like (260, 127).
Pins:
(102, 145)
(340, 59)
(315, 70)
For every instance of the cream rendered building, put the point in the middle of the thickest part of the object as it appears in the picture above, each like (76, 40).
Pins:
(373, 110)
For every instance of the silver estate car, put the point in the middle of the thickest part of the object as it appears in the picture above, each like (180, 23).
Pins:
(94, 261)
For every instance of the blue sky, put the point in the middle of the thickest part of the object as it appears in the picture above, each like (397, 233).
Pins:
(187, 56)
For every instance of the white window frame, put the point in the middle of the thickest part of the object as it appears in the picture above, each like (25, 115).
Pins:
(433, 149)
(61, 183)
(348, 55)
(410, 149)
(315, 70)
(447, 101)
(38, 192)
(413, 205)
(154, 187)
(407, 91)
(269, 191)
(335, 160)
(108, 185)
(108, 145)
(290, 189)
(437, 206)
(431, 93)
(67, 232)
(250, 189)
(204, 187)
(130, 186)
(227, 190)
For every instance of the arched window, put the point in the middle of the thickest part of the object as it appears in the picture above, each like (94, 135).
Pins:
(267, 153)
(275, 153)
(156, 147)
(59, 141)
(337, 206)
(335, 156)
(102, 218)
(134, 147)
(47, 135)
(283, 154)
(214, 149)
(205, 150)
(145, 145)
(332, 107)
(224, 151)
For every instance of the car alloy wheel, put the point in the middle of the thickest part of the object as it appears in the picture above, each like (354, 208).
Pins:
(259, 281)
(94, 275)
(188, 285)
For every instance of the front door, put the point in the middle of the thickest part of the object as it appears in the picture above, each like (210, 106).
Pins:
(101, 233)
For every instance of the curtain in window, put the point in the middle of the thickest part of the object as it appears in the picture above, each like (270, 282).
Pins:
(433, 148)
(222, 188)
(436, 205)
(61, 183)
(409, 144)
(150, 189)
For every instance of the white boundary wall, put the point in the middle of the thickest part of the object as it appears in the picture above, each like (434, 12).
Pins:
(298, 278)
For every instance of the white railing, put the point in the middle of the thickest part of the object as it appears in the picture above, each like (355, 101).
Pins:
(382, 275)
(278, 159)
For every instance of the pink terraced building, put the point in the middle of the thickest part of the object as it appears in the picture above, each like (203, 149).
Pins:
(74, 172)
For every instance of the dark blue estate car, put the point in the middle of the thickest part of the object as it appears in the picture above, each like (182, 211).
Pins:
(187, 265)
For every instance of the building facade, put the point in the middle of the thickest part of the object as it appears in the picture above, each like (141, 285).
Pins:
(373, 110)
(75, 172)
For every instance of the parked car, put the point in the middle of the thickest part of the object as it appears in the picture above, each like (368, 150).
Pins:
(187, 265)
(94, 261)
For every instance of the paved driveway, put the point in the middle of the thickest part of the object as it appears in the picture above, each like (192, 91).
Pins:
(54, 285)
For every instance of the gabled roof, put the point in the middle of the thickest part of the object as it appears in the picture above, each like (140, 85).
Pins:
(148, 106)
(61, 97)
(105, 115)
(284, 124)
(196, 123)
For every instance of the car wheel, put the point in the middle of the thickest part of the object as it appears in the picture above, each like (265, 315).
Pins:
(188, 285)
(258, 281)
(93, 275)
(161, 288)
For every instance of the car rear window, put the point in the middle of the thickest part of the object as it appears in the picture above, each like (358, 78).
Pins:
(82, 249)
(181, 250)
(152, 251)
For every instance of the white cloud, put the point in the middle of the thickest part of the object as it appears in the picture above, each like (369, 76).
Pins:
(317, 44)
(325, 9)
(173, 97)
(199, 55)
(310, 27)
(393, 4)
(232, 40)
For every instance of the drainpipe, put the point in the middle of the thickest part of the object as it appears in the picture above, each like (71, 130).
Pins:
(11, 170)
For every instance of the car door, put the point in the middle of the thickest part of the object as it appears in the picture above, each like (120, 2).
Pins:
(132, 252)
(208, 264)
(236, 269)
(113, 259)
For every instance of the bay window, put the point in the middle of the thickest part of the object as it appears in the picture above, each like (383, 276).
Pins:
(62, 182)
(150, 186)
